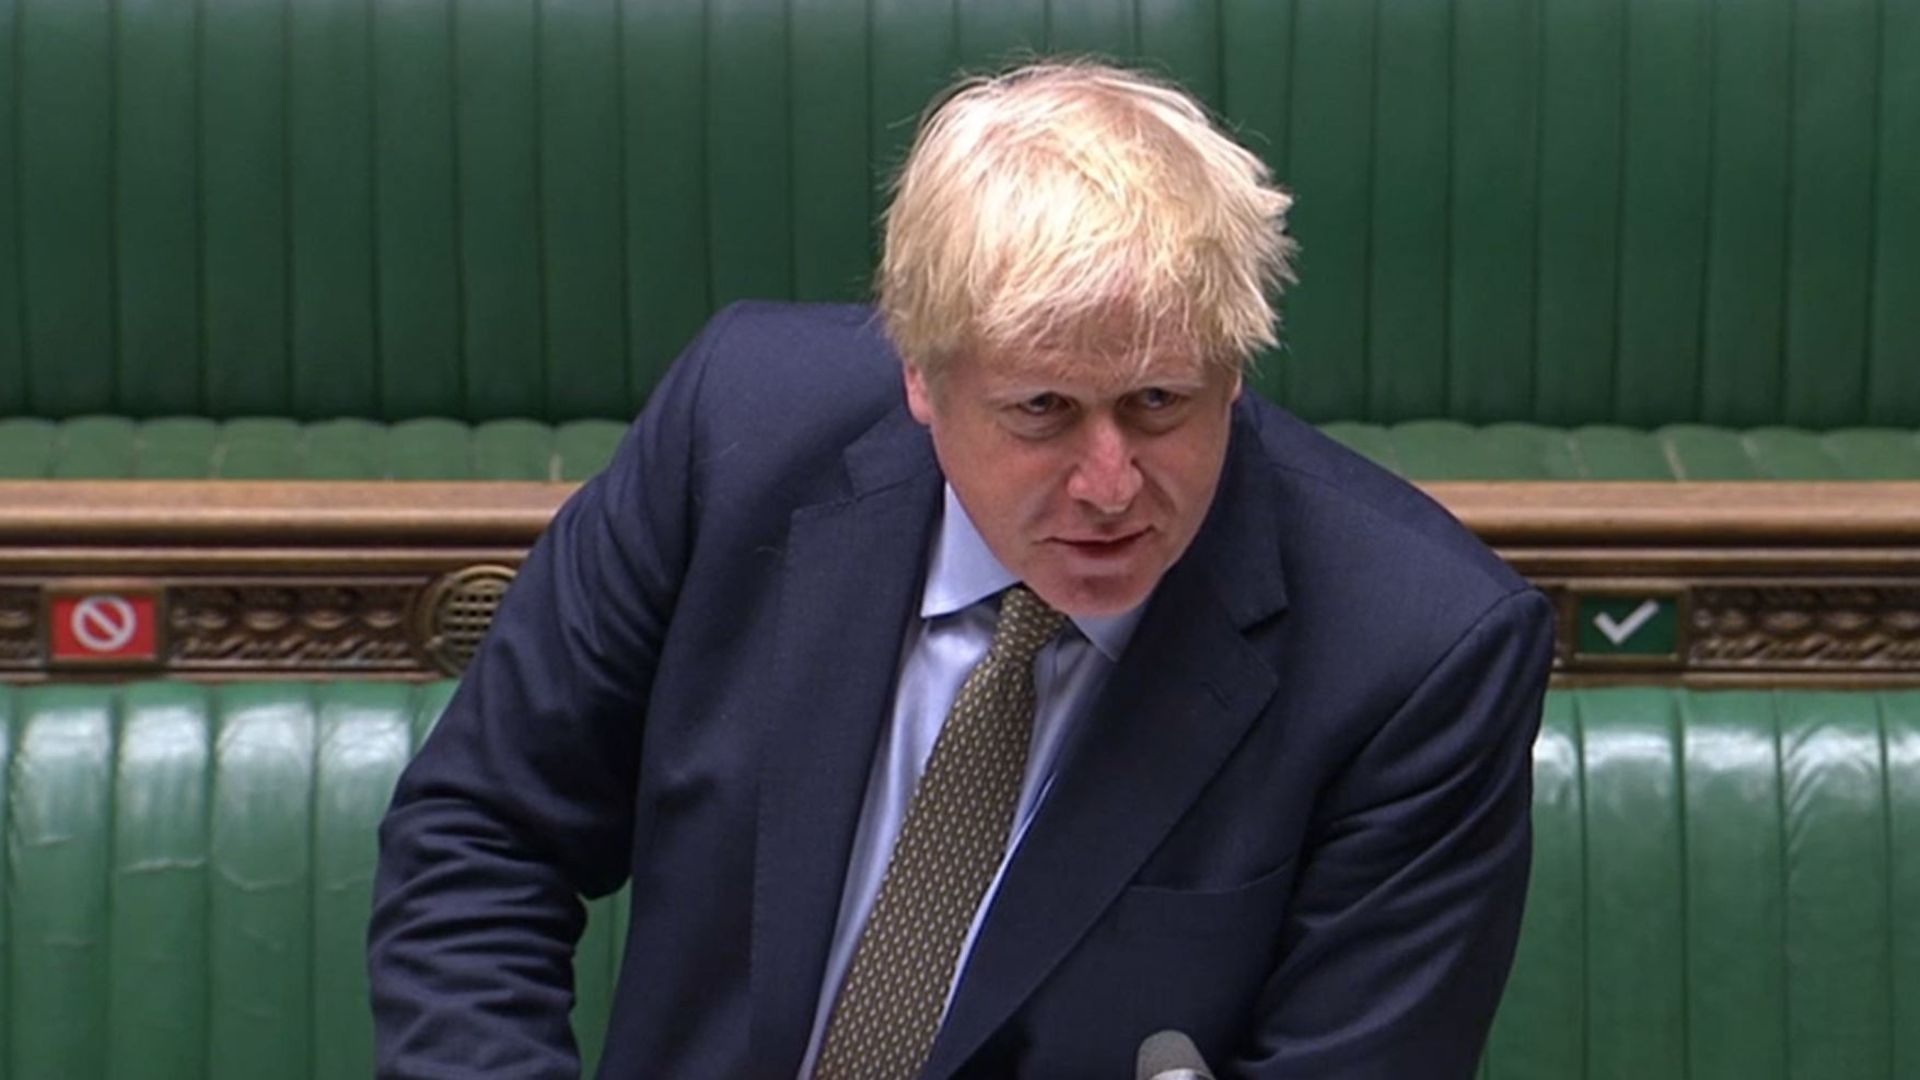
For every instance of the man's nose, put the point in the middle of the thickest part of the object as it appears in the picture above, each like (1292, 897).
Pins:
(1106, 478)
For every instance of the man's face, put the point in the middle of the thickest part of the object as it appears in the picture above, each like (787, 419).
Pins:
(1087, 478)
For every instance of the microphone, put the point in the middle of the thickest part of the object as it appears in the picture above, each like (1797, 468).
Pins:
(1170, 1055)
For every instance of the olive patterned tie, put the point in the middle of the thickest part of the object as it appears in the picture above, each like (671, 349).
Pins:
(951, 844)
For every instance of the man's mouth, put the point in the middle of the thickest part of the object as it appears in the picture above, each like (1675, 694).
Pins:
(1103, 547)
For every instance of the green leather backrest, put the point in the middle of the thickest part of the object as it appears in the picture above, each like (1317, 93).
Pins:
(192, 448)
(1726, 885)
(1571, 211)
(259, 448)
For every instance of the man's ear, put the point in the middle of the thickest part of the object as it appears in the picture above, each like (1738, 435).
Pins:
(919, 394)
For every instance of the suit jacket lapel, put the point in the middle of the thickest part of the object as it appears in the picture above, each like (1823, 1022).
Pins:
(1176, 705)
(854, 570)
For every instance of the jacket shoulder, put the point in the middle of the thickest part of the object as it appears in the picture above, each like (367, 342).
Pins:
(778, 389)
(758, 352)
(1372, 564)
(1356, 505)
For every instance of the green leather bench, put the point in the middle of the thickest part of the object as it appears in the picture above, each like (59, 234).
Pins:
(1652, 238)
(116, 448)
(1726, 884)
(195, 448)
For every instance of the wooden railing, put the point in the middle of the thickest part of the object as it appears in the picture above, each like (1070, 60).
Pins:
(1748, 583)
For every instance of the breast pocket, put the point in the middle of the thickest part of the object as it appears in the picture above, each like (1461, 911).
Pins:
(1154, 911)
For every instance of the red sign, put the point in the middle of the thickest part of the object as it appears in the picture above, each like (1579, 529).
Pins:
(103, 626)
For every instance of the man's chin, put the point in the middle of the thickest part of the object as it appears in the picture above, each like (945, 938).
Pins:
(1092, 595)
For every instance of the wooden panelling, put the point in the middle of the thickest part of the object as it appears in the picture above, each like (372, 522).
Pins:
(1711, 584)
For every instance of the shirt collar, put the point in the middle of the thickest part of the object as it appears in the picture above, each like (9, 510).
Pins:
(963, 572)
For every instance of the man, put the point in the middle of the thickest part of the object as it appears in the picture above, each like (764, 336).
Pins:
(980, 688)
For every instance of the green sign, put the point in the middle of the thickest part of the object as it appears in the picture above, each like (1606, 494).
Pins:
(1629, 625)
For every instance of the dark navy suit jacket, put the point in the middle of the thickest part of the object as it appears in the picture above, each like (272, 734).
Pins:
(1294, 825)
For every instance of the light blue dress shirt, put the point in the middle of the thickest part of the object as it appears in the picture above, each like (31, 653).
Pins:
(957, 614)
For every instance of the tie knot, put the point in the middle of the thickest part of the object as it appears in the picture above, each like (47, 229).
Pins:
(1026, 625)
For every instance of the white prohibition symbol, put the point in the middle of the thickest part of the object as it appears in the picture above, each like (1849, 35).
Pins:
(1618, 632)
(103, 624)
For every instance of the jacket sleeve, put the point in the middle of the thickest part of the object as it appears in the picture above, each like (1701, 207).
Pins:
(1404, 920)
(521, 799)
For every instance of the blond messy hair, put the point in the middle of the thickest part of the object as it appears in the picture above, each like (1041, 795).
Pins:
(1079, 205)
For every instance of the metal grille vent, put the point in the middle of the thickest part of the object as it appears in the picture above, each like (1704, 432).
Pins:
(457, 611)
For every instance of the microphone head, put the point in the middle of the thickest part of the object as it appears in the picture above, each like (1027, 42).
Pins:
(1170, 1054)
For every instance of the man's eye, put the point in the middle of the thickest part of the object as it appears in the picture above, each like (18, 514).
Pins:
(1153, 399)
(1041, 405)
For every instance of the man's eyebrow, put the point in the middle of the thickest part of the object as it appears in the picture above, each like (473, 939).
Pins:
(1034, 384)
(1183, 383)
(1010, 395)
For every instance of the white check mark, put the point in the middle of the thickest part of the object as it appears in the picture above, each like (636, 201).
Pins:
(1618, 632)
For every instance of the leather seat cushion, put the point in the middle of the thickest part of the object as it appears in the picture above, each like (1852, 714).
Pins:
(192, 448)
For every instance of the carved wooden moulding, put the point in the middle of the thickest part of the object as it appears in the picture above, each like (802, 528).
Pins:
(1750, 583)
(1873, 626)
(245, 580)
(1759, 631)
(411, 626)
(1758, 584)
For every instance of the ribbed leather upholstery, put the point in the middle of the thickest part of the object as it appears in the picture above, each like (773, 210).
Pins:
(117, 448)
(190, 448)
(1450, 450)
(1584, 211)
(187, 873)
(1726, 885)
